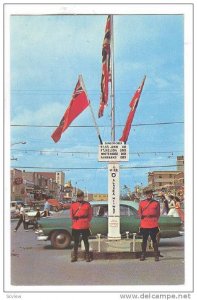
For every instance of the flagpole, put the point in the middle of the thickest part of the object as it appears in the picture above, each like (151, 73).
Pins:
(113, 167)
(112, 84)
(92, 113)
(96, 126)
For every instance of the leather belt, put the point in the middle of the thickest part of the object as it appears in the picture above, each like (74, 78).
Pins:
(148, 216)
(82, 217)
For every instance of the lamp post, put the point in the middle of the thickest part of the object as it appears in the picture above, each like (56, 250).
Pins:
(21, 142)
(18, 143)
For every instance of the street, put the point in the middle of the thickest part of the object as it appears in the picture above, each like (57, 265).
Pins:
(37, 263)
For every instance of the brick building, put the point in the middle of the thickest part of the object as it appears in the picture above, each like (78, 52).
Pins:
(161, 179)
(35, 185)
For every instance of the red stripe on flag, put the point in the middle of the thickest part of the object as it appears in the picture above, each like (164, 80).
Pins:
(133, 104)
(78, 103)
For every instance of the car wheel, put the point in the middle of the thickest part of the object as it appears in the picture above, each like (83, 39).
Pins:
(60, 239)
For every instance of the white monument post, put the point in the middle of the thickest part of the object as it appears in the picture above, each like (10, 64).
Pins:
(113, 202)
(113, 153)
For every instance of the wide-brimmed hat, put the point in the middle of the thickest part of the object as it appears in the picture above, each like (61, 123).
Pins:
(80, 194)
(148, 191)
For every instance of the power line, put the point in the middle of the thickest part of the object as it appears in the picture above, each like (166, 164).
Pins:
(91, 152)
(62, 91)
(90, 126)
(92, 168)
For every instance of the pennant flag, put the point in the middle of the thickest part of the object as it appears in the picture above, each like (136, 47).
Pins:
(106, 75)
(78, 103)
(133, 104)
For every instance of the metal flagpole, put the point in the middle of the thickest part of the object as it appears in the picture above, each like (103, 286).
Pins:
(113, 167)
(112, 84)
(93, 117)
(113, 152)
(96, 126)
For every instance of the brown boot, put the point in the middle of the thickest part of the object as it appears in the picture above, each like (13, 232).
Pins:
(143, 255)
(156, 251)
(74, 256)
(87, 256)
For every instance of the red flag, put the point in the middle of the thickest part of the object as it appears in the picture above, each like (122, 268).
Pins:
(105, 78)
(78, 103)
(133, 104)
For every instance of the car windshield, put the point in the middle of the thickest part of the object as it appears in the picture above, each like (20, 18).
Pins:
(102, 211)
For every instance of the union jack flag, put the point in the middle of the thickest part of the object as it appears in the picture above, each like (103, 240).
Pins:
(106, 74)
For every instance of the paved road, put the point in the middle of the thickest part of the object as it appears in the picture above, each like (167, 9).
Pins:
(36, 263)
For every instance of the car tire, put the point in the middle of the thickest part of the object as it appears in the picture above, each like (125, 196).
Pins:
(60, 239)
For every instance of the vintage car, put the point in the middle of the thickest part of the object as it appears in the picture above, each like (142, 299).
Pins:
(32, 218)
(57, 228)
(15, 207)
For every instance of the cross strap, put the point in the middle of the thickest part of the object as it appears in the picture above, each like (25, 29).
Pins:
(147, 205)
(77, 210)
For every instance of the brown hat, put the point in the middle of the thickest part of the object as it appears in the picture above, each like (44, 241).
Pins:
(80, 193)
(148, 191)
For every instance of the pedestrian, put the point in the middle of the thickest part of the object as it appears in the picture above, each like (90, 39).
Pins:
(21, 218)
(36, 218)
(81, 215)
(172, 209)
(179, 210)
(165, 206)
(46, 208)
(149, 212)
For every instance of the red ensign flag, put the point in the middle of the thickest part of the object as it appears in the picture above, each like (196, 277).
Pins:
(105, 78)
(78, 103)
(133, 104)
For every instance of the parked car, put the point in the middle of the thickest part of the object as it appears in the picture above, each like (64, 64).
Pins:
(32, 218)
(57, 228)
(14, 204)
(15, 207)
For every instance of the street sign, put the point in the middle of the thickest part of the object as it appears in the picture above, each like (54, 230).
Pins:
(18, 180)
(113, 202)
(113, 152)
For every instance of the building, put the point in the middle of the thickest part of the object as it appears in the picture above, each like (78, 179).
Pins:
(28, 186)
(16, 185)
(53, 181)
(179, 179)
(180, 163)
(170, 180)
(163, 179)
(58, 177)
(97, 197)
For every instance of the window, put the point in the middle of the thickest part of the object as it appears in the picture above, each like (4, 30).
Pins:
(100, 211)
(160, 176)
(127, 211)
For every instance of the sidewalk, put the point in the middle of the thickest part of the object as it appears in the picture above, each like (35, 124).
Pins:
(118, 249)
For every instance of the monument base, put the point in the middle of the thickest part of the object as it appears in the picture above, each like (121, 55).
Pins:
(119, 249)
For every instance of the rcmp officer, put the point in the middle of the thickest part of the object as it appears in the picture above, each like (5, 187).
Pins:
(81, 215)
(149, 212)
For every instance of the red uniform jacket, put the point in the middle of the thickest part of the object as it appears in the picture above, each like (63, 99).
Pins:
(149, 213)
(81, 215)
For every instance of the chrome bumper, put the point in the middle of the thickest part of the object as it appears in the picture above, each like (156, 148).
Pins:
(42, 238)
(181, 233)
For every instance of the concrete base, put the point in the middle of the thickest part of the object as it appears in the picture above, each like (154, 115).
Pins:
(120, 249)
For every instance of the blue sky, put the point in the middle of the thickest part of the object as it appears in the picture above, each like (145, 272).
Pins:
(47, 55)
